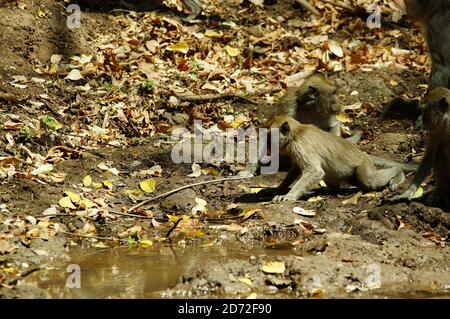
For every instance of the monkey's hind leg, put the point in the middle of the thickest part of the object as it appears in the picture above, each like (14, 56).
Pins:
(371, 178)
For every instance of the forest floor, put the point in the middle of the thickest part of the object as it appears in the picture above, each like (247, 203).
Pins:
(86, 116)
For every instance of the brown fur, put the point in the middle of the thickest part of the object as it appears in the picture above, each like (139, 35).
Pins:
(433, 16)
(314, 102)
(316, 155)
(436, 118)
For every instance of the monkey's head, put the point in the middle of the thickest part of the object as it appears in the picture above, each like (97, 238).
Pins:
(436, 110)
(285, 125)
(318, 94)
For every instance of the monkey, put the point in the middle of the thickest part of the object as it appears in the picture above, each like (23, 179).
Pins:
(436, 120)
(433, 18)
(319, 155)
(314, 102)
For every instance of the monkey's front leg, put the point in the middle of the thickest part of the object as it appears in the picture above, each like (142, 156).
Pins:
(294, 172)
(309, 177)
(422, 171)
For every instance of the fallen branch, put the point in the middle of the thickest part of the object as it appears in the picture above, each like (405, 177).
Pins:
(172, 228)
(23, 275)
(305, 4)
(212, 97)
(130, 215)
(94, 237)
(220, 180)
(339, 4)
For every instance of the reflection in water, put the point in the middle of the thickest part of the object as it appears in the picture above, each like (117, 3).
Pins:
(134, 272)
(131, 272)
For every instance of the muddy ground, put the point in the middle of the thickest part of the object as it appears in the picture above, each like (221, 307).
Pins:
(354, 246)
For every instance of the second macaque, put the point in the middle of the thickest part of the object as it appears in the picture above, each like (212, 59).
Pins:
(314, 102)
(436, 119)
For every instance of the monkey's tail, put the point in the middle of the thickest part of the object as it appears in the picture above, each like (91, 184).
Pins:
(388, 163)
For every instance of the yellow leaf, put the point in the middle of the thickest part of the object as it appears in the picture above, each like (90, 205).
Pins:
(53, 69)
(197, 233)
(213, 34)
(86, 203)
(253, 295)
(274, 267)
(315, 199)
(108, 184)
(133, 192)
(255, 190)
(97, 185)
(353, 200)
(181, 47)
(100, 244)
(145, 243)
(87, 181)
(393, 82)
(418, 193)
(66, 202)
(173, 218)
(148, 185)
(232, 51)
(41, 13)
(248, 212)
(343, 117)
(74, 197)
(246, 281)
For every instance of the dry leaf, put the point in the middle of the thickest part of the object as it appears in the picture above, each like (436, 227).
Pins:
(148, 185)
(304, 212)
(273, 267)
(65, 202)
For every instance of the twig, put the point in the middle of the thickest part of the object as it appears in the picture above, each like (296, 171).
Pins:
(95, 237)
(130, 215)
(23, 275)
(173, 228)
(305, 4)
(184, 187)
(340, 4)
(212, 97)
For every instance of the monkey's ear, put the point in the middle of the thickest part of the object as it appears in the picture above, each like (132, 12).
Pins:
(443, 105)
(284, 129)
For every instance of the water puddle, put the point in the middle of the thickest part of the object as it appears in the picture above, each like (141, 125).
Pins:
(133, 272)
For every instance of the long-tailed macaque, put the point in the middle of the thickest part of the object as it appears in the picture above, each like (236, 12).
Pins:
(436, 119)
(314, 102)
(318, 155)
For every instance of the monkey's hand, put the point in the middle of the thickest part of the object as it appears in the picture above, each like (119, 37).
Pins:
(283, 198)
(246, 174)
